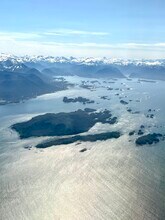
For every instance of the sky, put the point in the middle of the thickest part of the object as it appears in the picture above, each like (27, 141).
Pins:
(111, 28)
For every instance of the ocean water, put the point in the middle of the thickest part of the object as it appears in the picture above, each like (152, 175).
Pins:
(114, 179)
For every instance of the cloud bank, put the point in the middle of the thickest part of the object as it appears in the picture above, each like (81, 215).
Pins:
(39, 43)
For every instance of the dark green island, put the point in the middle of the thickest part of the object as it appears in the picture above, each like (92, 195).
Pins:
(62, 124)
(91, 138)
(149, 139)
(77, 99)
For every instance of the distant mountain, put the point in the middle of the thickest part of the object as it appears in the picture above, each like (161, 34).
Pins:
(110, 71)
(15, 87)
(13, 66)
(85, 67)
(57, 71)
(149, 72)
(43, 61)
(83, 70)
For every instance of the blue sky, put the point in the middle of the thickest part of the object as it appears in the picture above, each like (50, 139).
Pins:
(112, 28)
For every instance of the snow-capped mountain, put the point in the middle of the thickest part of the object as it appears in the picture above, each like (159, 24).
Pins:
(81, 60)
(85, 66)
(38, 72)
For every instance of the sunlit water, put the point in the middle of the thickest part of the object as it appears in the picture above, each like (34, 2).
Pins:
(144, 170)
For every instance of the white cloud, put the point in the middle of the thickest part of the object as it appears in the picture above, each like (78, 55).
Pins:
(18, 36)
(64, 32)
(58, 32)
(34, 44)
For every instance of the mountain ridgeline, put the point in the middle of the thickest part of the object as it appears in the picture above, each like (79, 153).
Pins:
(16, 86)
(29, 77)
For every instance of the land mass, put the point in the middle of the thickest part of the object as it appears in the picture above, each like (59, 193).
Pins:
(149, 139)
(90, 138)
(77, 99)
(16, 86)
(61, 124)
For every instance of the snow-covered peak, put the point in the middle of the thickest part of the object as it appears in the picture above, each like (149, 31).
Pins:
(81, 60)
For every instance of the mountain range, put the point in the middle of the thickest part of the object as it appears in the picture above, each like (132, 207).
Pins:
(26, 77)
